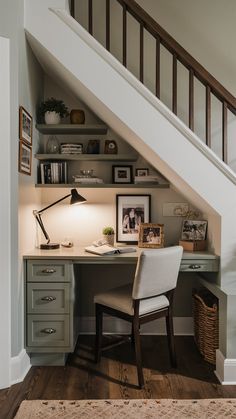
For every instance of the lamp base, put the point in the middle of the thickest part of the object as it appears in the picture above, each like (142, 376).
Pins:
(49, 246)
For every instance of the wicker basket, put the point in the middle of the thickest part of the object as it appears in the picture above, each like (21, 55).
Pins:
(206, 324)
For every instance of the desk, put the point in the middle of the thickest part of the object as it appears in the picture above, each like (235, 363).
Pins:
(51, 296)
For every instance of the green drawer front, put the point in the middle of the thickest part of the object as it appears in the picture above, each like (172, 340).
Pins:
(200, 265)
(48, 270)
(48, 298)
(48, 331)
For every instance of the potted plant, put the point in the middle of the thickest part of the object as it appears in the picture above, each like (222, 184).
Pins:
(52, 110)
(109, 235)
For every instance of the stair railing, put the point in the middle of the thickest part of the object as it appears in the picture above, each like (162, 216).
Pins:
(179, 54)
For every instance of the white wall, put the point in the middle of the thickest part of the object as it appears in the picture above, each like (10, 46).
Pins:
(24, 77)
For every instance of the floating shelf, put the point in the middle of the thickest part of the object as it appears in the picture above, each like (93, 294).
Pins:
(88, 157)
(105, 185)
(72, 129)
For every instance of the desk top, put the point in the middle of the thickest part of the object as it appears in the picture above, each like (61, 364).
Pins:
(77, 253)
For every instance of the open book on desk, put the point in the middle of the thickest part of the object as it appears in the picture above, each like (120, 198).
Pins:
(105, 249)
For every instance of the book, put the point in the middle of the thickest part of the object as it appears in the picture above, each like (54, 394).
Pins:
(105, 249)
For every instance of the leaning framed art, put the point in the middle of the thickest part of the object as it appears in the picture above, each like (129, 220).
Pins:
(131, 212)
(151, 235)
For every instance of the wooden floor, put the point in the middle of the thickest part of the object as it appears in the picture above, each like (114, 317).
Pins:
(115, 377)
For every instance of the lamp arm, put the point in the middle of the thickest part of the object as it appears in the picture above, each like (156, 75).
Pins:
(40, 222)
(54, 203)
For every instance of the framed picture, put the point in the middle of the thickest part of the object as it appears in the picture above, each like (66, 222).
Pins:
(122, 174)
(131, 212)
(25, 158)
(151, 235)
(142, 172)
(175, 209)
(194, 230)
(25, 126)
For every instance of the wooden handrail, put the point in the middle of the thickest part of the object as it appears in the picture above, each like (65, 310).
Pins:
(182, 55)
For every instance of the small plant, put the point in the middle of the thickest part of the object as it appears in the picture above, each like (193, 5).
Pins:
(53, 105)
(108, 231)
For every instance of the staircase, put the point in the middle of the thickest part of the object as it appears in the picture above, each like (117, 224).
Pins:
(196, 77)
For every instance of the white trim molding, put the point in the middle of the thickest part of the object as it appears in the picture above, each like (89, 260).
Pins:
(225, 369)
(20, 365)
(182, 326)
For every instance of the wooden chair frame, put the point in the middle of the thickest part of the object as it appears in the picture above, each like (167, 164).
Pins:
(137, 320)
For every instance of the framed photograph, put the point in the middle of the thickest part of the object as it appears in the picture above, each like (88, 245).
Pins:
(25, 126)
(122, 174)
(151, 235)
(25, 158)
(131, 212)
(142, 172)
(194, 230)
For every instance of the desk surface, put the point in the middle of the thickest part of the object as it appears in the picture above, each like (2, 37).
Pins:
(207, 260)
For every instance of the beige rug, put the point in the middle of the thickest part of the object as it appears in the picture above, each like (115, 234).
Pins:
(128, 409)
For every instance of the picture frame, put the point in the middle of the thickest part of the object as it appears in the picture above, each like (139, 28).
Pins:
(194, 230)
(131, 212)
(122, 174)
(151, 235)
(141, 172)
(25, 126)
(25, 158)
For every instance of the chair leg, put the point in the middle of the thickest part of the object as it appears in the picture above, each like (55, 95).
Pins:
(98, 341)
(132, 335)
(170, 337)
(137, 344)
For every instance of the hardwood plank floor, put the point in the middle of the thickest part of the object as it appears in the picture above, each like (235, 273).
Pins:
(115, 376)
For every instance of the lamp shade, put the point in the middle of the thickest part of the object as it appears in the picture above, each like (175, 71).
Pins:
(76, 198)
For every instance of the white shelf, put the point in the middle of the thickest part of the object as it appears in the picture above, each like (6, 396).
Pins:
(105, 185)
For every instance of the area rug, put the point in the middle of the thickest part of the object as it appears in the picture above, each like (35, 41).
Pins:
(128, 409)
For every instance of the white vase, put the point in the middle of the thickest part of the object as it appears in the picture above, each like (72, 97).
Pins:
(52, 117)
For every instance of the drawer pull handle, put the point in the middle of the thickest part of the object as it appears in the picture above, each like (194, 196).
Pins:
(48, 271)
(48, 298)
(194, 266)
(48, 330)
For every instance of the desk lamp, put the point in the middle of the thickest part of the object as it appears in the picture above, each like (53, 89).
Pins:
(75, 199)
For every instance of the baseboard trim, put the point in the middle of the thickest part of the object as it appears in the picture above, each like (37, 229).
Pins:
(19, 367)
(225, 369)
(182, 326)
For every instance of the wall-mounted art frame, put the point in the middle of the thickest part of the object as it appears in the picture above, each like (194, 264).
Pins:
(131, 212)
(151, 235)
(142, 172)
(25, 158)
(25, 126)
(194, 230)
(122, 174)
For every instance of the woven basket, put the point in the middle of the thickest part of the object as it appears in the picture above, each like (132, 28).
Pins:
(206, 324)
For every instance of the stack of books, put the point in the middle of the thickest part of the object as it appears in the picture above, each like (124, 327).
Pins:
(53, 172)
(146, 179)
(71, 148)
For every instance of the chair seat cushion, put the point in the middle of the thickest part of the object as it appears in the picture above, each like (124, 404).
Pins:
(121, 299)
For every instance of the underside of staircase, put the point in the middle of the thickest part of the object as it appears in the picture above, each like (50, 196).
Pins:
(122, 101)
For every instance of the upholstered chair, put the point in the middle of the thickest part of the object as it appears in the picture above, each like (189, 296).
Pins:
(148, 298)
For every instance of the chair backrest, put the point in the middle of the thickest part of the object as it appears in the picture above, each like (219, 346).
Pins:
(157, 271)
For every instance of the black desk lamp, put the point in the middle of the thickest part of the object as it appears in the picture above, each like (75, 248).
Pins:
(75, 199)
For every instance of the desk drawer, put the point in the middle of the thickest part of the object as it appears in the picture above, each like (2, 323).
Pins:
(48, 270)
(48, 298)
(200, 265)
(48, 331)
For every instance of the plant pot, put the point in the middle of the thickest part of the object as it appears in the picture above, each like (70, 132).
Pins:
(110, 238)
(77, 116)
(52, 118)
